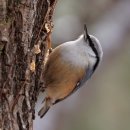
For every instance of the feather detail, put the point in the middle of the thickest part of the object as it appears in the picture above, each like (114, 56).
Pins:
(45, 108)
(79, 84)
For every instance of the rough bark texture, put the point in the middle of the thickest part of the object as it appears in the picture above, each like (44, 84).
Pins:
(23, 35)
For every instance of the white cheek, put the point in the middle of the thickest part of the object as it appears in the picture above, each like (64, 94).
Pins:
(92, 61)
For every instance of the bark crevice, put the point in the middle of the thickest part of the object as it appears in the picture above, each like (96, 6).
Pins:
(22, 30)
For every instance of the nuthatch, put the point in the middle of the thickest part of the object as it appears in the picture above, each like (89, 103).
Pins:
(68, 67)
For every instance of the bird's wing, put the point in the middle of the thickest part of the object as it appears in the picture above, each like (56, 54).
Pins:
(80, 83)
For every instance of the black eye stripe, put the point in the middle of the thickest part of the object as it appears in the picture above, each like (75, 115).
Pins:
(95, 51)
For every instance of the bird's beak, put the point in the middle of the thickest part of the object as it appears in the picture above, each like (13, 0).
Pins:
(85, 32)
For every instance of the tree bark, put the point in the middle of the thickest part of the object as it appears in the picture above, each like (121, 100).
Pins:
(23, 36)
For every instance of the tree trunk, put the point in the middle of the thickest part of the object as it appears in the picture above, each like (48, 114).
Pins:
(23, 35)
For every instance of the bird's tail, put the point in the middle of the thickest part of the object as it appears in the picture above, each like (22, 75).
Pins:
(45, 108)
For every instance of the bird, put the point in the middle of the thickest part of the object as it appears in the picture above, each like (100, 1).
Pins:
(68, 68)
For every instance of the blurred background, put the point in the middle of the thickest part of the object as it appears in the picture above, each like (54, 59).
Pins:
(105, 103)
